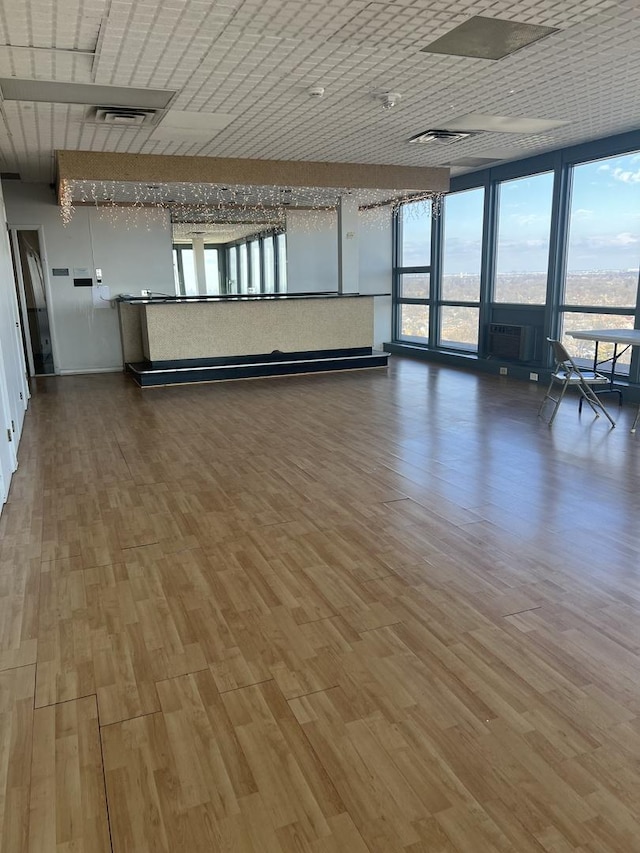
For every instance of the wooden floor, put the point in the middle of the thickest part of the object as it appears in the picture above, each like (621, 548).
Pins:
(379, 611)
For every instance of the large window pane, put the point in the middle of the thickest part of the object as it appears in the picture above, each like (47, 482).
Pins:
(244, 269)
(459, 327)
(211, 269)
(256, 271)
(189, 272)
(524, 225)
(604, 238)
(176, 272)
(414, 285)
(281, 241)
(415, 248)
(462, 246)
(414, 323)
(584, 351)
(269, 266)
(232, 270)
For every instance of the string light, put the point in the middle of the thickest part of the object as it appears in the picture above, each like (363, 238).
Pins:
(136, 205)
(66, 202)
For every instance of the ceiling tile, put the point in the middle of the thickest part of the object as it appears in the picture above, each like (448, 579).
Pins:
(257, 59)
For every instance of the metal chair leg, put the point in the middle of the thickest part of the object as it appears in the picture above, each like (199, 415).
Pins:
(594, 401)
(586, 394)
(546, 397)
(637, 419)
(565, 385)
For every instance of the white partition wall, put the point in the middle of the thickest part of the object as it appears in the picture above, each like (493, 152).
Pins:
(312, 251)
(13, 385)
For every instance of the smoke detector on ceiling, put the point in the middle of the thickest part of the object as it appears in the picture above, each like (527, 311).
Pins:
(390, 99)
(122, 116)
(441, 137)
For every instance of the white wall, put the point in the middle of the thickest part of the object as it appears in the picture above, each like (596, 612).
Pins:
(312, 258)
(312, 250)
(13, 386)
(134, 255)
(375, 251)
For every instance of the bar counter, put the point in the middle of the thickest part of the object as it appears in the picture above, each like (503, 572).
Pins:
(163, 328)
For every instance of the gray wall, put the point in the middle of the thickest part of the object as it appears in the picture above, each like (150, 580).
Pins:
(312, 250)
(133, 257)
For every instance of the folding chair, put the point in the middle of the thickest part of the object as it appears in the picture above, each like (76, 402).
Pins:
(566, 373)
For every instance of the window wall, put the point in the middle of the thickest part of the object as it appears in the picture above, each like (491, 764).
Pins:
(184, 270)
(522, 251)
(185, 273)
(257, 265)
(212, 269)
(603, 252)
(459, 303)
(413, 272)
(551, 243)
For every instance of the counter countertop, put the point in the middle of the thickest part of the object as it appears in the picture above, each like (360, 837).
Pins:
(161, 299)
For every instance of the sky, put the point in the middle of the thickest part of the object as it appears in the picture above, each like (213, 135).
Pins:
(604, 228)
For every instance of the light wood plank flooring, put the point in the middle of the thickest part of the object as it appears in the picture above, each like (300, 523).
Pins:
(377, 612)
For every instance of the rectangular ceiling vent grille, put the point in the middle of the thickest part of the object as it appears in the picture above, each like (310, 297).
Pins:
(440, 137)
(122, 116)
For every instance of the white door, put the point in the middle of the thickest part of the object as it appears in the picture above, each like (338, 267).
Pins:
(13, 361)
(7, 444)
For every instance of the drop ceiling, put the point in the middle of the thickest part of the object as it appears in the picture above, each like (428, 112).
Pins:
(251, 63)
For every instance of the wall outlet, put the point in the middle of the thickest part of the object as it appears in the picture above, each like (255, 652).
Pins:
(533, 377)
(504, 371)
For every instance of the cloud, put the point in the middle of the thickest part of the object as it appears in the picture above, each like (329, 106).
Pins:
(583, 213)
(462, 246)
(523, 219)
(626, 176)
(605, 241)
(604, 168)
(624, 239)
(523, 246)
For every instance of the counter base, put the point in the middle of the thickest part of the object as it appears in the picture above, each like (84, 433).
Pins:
(147, 374)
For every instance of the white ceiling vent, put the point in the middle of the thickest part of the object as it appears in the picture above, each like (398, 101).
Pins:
(441, 137)
(122, 116)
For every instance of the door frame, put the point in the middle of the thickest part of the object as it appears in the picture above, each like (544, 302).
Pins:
(22, 300)
(13, 229)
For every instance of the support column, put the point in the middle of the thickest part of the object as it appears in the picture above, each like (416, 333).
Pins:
(348, 260)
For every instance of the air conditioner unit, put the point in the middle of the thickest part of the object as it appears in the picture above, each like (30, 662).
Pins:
(515, 343)
(440, 137)
(122, 116)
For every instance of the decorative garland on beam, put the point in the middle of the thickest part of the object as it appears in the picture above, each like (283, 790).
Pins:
(137, 204)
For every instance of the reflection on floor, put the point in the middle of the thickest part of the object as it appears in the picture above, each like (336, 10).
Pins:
(364, 612)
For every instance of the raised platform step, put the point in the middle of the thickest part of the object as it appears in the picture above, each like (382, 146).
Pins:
(149, 374)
